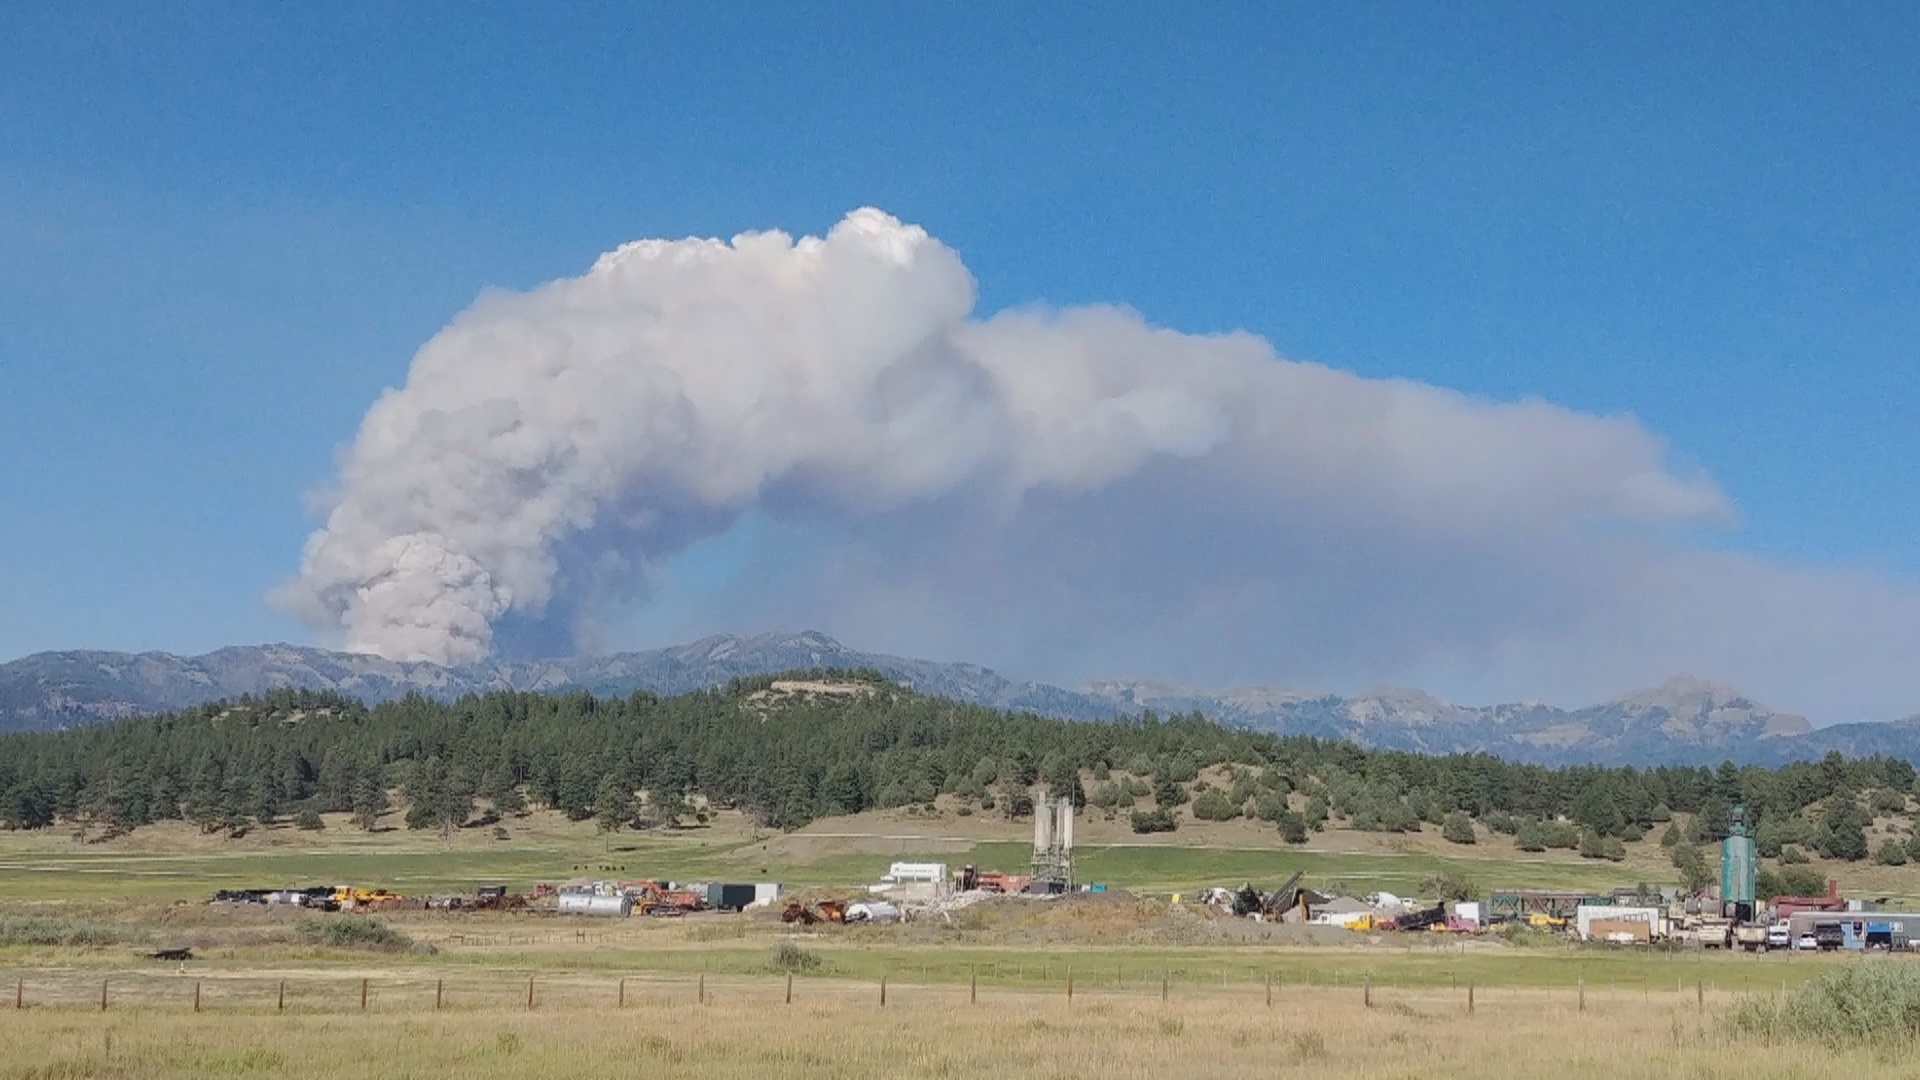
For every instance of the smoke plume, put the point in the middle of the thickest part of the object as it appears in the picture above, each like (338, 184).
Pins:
(1066, 471)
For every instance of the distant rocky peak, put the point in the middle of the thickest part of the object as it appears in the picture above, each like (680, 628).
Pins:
(1685, 694)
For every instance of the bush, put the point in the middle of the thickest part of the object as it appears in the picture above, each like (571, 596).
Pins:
(1791, 855)
(1891, 853)
(1857, 1005)
(1449, 885)
(1888, 801)
(1788, 881)
(1213, 805)
(1457, 828)
(1532, 836)
(1152, 821)
(1293, 827)
(353, 932)
(789, 957)
(308, 820)
(71, 933)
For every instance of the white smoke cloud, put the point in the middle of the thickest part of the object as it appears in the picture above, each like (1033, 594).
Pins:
(1030, 477)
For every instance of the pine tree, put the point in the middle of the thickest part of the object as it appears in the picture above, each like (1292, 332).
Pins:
(369, 799)
(613, 804)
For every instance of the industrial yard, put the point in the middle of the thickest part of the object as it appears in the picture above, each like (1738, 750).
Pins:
(577, 950)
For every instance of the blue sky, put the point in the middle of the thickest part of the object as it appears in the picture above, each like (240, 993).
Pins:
(224, 231)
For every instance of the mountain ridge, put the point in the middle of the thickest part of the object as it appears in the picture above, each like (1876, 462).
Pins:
(1685, 720)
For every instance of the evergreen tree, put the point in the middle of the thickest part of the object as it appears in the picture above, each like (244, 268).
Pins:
(369, 799)
(613, 804)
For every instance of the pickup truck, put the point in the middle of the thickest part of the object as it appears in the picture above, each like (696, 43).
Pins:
(1780, 935)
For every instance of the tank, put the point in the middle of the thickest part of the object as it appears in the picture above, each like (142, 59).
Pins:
(1737, 863)
(580, 903)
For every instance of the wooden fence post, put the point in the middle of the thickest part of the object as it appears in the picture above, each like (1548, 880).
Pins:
(1469, 996)
(439, 993)
(20, 994)
(1366, 991)
(1163, 985)
(1583, 993)
(196, 995)
(281, 1004)
(789, 987)
(529, 991)
(363, 995)
(1069, 984)
(700, 992)
(1269, 981)
(883, 991)
(1700, 993)
(103, 995)
(623, 993)
(973, 984)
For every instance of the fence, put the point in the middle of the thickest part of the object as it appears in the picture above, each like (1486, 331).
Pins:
(306, 992)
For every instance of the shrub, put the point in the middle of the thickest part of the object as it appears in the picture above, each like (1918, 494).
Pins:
(1532, 836)
(308, 820)
(1213, 805)
(1891, 853)
(1888, 801)
(1791, 855)
(1152, 821)
(1858, 1005)
(72, 933)
(1449, 885)
(1457, 828)
(1794, 881)
(1293, 827)
(1694, 872)
(353, 932)
(789, 957)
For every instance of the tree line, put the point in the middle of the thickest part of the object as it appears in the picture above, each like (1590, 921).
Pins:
(643, 761)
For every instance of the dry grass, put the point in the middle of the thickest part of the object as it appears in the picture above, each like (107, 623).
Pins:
(838, 1029)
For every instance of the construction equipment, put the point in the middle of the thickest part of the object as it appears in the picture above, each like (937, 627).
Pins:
(349, 896)
(1419, 920)
(655, 898)
(829, 911)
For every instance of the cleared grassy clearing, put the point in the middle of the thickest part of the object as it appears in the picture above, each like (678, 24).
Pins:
(839, 1029)
(176, 862)
(41, 867)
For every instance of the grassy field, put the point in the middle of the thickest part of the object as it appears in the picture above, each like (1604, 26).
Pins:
(175, 862)
(705, 995)
(840, 1029)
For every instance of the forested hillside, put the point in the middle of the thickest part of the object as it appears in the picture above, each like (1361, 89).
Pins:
(786, 752)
